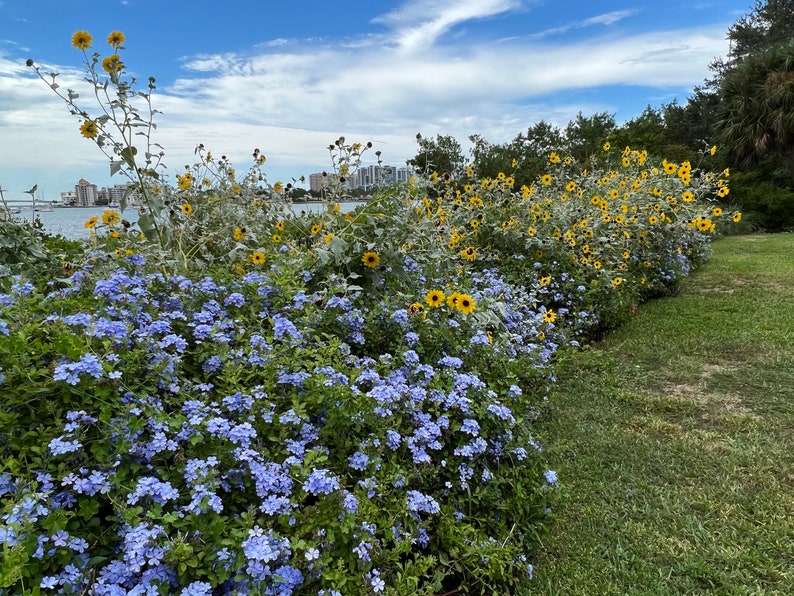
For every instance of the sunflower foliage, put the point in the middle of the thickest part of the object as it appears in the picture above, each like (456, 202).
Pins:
(254, 399)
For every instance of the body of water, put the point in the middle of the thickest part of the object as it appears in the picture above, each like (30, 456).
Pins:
(70, 221)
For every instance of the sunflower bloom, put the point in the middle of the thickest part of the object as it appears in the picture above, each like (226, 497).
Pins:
(185, 181)
(239, 233)
(415, 309)
(92, 222)
(115, 39)
(545, 179)
(276, 238)
(316, 229)
(716, 212)
(435, 298)
(111, 218)
(469, 253)
(187, 208)
(370, 259)
(82, 40)
(549, 316)
(723, 191)
(278, 187)
(112, 63)
(737, 217)
(258, 258)
(280, 226)
(89, 129)
(465, 303)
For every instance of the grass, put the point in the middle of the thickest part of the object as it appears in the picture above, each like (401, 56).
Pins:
(674, 440)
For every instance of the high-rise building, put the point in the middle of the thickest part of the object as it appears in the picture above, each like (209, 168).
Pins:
(113, 194)
(86, 194)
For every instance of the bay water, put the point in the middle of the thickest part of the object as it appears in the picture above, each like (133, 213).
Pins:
(70, 221)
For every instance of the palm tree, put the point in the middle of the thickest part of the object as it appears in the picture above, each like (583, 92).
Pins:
(756, 113)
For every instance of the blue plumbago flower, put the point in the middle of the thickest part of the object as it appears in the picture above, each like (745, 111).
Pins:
(158, 491)
(393, 439)
(370, 485)
(450, 362)
(321, 482)
(470, 426)
(212, 365)
(501, 412)
(59, 446)
(71, 371)
(88, 482)
(551, 477)
(472, 449)
(234, 299)
(333, 377)
(296, 379)
(358, 461)
(411, 339)
(284, 328)
(264, 547)
(177, 341)
(421, 503)
(197, 589)
(238, 402)
(378, 585)
(362, 550)
(78, 320)
(400, 316)
(480, 339)
(350, 503)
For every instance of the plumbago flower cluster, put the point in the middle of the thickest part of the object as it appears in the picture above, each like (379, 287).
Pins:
(237, 435)
(239, 399)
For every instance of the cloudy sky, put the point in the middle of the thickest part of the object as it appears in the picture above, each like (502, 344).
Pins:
(291, 77)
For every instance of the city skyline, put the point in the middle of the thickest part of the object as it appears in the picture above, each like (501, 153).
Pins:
(290, 79)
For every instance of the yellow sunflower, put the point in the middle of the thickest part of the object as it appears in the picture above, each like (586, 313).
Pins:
(112, 63)
(187, 208)
(111, 218)
(89, 129)
(92, 222)
(370, 259)
(435, 298)
(465, 303)
(115, 39)
(469, 253)
(258, 258)
(82, 40)
(549, 316)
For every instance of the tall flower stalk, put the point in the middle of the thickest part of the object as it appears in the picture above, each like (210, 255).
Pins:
(118, 122)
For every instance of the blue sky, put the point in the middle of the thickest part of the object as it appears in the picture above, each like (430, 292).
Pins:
(291, 77)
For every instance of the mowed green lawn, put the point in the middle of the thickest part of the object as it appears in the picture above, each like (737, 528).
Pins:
(674, 439)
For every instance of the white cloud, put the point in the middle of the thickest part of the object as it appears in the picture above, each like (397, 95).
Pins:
(609, 18)
(418, 23)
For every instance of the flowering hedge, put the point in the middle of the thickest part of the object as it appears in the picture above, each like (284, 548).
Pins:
(234, 398)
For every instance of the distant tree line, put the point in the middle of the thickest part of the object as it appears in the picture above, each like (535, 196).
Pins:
(746, 108)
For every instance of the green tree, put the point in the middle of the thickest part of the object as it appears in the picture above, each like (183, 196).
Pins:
(443, 155)
(769, 24)
(585, 136)
(756, 114)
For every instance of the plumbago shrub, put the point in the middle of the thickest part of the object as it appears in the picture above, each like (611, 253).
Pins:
(235, 398)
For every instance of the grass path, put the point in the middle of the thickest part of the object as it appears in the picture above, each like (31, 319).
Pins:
(674, 440)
